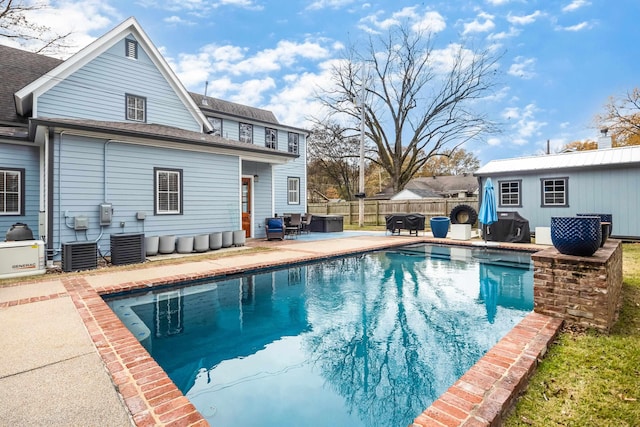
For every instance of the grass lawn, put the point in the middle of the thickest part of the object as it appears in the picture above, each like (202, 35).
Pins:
(588, 378)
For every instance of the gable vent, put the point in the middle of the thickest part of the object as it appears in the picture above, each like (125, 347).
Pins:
(127, 248)
(131, 49)
(78, 256)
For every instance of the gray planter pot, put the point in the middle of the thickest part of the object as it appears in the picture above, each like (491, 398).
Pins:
(185, 244)
(152, 245)
(167, 244)
(201, 243)
(215, 240)
(239, 238)
(227, 239)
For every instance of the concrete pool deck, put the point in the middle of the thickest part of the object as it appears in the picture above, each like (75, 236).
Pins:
(67, 360)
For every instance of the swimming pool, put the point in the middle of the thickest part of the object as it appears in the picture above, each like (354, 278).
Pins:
(371, 339)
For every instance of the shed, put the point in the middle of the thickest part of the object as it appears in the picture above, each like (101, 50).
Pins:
(595, 181)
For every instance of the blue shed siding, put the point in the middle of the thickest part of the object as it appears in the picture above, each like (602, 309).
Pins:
(589, 191)
(23, 157)
(211, 190)
(97, 91)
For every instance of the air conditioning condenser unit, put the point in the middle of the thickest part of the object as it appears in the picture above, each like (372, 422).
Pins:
(22, 258)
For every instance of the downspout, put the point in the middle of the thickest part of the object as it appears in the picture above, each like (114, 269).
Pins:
(49, 148)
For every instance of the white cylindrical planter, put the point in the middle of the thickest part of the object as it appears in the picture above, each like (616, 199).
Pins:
(167, 244)
(151, 245)
(239, 238)
(201, 243)
(215, 240)
(185, 244)
(227, 239)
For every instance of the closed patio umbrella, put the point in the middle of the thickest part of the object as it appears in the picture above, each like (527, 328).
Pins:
(488, 209)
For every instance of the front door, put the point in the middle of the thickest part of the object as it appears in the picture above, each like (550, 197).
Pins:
(246, 206)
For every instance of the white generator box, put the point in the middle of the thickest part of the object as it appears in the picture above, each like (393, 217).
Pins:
(22, 258)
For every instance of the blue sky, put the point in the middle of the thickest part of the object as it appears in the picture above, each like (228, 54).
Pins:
(561, 60)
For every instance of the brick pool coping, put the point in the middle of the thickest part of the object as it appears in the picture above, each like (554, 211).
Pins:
(481, 397)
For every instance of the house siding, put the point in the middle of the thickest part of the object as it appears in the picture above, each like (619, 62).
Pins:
(294, 169)
(211, 190)
(13, 156)
(97, 91)
(589, 191)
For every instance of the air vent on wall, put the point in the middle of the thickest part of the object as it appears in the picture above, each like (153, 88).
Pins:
(127, 248)
(79, 256)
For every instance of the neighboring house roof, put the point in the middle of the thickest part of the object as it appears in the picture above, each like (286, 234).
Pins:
(593, 159)
(18, 68)
(219, 106)
(24, 97)
(159, 134)
(436, 186)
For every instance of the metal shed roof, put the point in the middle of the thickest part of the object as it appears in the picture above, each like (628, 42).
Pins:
(591, 159)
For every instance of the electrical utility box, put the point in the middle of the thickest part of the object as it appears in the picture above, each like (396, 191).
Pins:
(106, 213)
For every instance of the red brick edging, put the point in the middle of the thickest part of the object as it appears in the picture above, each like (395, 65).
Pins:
(487, 391)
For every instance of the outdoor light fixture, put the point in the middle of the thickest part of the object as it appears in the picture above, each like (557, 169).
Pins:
(255, 178)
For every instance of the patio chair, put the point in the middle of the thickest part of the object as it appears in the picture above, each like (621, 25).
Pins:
(294, 225)
(275, 228)
(306, 223)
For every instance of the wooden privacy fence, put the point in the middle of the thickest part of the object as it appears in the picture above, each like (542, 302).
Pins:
(376, 210)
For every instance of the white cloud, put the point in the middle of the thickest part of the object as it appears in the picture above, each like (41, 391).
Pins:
(523, 123)
(333, 4)
(525, 19)
(498, 2)
(429, 21)
(83, 19)
(493, 141)
(578, 27)
(522, 67)
(513, 32)
(176, 20)
(476, 26)
(575, 5)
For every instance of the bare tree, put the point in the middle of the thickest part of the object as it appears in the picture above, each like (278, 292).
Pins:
(418, 99)
(456, 162)
(16, 25)
(622, 118)
(333, 160)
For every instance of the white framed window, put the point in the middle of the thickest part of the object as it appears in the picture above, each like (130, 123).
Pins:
(510, 193)
(246, 133)
(555, 192)
(136, 108)
(216, 123)
(294, 141)
(131, 49)
(293, 191)
(168, 191)
(11, 191)
(271, 138)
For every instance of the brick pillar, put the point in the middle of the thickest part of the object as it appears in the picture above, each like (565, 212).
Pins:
(581, 290)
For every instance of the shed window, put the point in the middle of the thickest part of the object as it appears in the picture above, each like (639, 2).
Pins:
(11, 191)
(293, 191)
(510, 193)
(136, 108)
(168, 191)
(555, 192)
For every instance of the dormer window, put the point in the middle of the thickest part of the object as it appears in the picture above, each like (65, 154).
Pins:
(131, 49)
(136, 108)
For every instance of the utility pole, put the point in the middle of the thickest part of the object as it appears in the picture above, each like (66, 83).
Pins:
(361, 178)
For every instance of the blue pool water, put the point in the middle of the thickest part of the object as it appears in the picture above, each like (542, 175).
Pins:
(366, 340)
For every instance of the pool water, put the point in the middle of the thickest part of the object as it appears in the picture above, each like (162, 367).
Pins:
(366, 340)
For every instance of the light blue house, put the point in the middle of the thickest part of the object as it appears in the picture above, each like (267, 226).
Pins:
(602, 181)
(109, 141)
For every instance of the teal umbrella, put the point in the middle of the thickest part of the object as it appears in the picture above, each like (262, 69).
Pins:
(488, 208)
